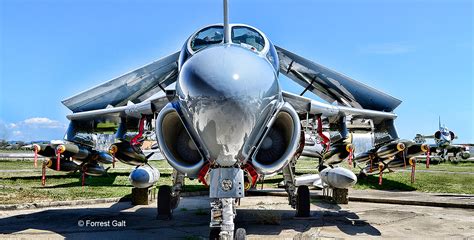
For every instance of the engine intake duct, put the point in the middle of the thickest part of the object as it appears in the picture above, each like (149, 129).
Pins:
(176, 144)
(280, 142)
(128, 154)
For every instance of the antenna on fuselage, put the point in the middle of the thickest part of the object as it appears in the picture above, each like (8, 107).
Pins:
(439, 122)
(226, 23)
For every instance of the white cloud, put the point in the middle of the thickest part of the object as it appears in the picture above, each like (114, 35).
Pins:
(36, 128)
(42, 122)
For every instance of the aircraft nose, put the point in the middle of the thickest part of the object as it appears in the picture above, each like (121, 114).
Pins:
(224, 92)
(226, 71)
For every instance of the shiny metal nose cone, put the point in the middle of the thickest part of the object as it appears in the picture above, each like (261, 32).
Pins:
(224, 93)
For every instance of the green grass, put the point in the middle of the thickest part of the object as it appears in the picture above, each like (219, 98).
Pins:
(25, 187)
(425, 182)
(436, 182)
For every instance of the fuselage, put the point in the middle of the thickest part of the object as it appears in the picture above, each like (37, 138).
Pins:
(444, 137)
(227, 92)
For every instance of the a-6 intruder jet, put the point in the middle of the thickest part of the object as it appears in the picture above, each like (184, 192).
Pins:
(443, 147)
(220, 116)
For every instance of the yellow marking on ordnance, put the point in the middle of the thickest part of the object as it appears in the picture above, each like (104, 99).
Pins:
(400, 146)
(61, 148)
(424, 147)
(113, 149)
(349, 147)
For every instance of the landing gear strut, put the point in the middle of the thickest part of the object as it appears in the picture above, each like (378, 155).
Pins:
(222, 220)
(299, 199)
(168, 197)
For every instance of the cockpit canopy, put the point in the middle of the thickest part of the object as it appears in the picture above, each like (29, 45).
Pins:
(206, 37)
(243, 35)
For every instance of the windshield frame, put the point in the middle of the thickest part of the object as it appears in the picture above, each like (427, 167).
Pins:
(263, 52)
(195, 35)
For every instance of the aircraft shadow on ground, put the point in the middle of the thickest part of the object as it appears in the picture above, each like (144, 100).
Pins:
(195, 222)
(372, 182)
(107, 180)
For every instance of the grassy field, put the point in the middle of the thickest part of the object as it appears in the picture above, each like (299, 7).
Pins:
(25, 187)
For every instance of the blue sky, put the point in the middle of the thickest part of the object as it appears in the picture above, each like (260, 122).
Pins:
(418, 51)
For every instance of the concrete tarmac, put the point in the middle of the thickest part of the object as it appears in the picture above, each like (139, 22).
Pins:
(264, 217)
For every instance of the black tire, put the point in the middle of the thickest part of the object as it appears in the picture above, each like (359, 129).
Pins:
(302, 202)
(164, 202)
(175, 202)
(214, 233)
(240, 234)
(361, 175)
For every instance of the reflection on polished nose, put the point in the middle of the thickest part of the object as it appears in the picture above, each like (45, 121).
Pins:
(224, 91)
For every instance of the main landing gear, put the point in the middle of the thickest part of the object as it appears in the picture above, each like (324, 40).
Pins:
(299, 199)
(168, 197)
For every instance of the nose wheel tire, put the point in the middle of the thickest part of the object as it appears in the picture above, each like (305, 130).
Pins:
(302, 202)
(164, 202)
(214, 233)
(240, 234)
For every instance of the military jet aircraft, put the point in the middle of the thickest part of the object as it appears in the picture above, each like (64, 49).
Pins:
(220, 116)
(443, 147)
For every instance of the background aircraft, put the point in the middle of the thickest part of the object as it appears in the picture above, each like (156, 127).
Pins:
(219, 115)
(443, 147)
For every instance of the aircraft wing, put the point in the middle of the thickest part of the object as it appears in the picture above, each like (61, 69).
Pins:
(135, 86)
(333, 86)
(383, 122)
(108, 119)
(147, 107)
(305, 105)
(457, 147)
